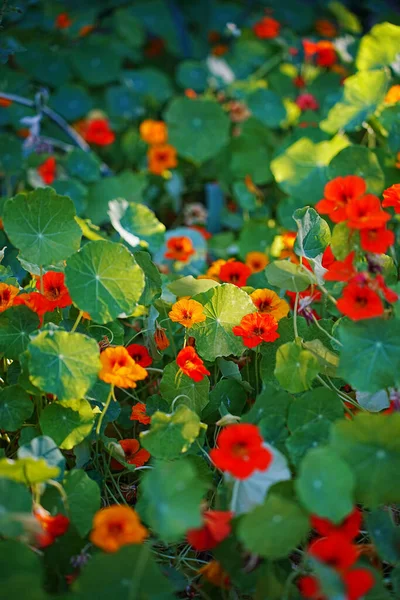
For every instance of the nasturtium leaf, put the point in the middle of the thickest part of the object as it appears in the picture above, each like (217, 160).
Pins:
(123, 102)
(95, 63)
(228, 395)
(83, 165)
(370, 356)
(73, 188)
(170, 435)
(22, 572)
(267, 107)
(325, 484)
(45, 63)
(198, 130)
(16, 324)
(310, 435)
(41, 224)
(64, 364)
(362, 94)
(15, 407)
(28, 470)
(224, 307)
(43, 446)
(270, 401)
(301, 171)
(346, 19)
(389, 118)
(136, 224)
(317, 405)
(313, 233)
(68, 423)
(328, 360)
(288, 276)
(15, 502)
(83, 496)
(379, 48)
(10, 154)
(104, 280)
(192, 74)
(273, 529)
(370, 444)
(189, 286)
(361, 161)
(190, 393)
(131, 572)
(295, 368)
(171, 499)
(341, 243)
(152, 278)
(385, 535)
(71, 101)
(149, 82)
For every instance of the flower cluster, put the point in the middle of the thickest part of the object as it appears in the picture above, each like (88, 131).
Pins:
(161, 155)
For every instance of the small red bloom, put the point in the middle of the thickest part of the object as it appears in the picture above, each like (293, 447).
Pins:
(134, 455)
(216, 527)
(52, 527)
(326, 54)
(257, 328)
(36, 302)
(5, 102)
(299, 81)
(391, 197)
(365, 212)
(309, 588)
(328, 258)
(63, 21)
(337, 194)
(154, 47)
(307, 102)
(341, 270)
(54, 290)
(360, 302)
(309, 48)
(376, 240)
(191, 364)
(336, 551)
(349, 527)
(47, 170)
(140, 354)
(240, 451)
(267, 29)
(358, 582)
(389, 295)
(235, 272)
(97, 131)
(139, 413)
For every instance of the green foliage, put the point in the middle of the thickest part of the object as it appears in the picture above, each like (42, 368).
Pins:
(295, 368)
(184, 389)
(313, 233)
(379, 47)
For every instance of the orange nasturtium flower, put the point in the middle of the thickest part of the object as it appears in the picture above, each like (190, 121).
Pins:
(139, 413)
(5, 102)
(160, 338)
(268, 301)
(190, 363)
(391, 197)
(55, 290)
(180, 248)
(256, 261)
(256, 328)
(7, 295)
(47, 170)
(187, 312)
(215, 574)
(161, 158)
(267, 29)
(119, 368)
(360, 302)
(153, 132)
(117, 526)
(393, 95)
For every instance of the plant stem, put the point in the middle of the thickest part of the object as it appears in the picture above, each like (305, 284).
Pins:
(77, 321)
(107, 404)
(296, 304)
(41, 279)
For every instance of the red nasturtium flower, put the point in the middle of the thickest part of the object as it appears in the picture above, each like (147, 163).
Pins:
(391, 197)
(325, 54)
(235, 272)
(335, 550)
(134, 455)
(328, 258)
(341, 270)
(140, 355)
(337, 194)
(5, 102)
(35, 301)
(98, 132)
(53, 526)
(348, 528)
(190, 363)
(47, 170)
(63, 21)
(307, 102)
(154, 47)
(240, 451)
(325, 28)
(160, 338)
(180, 248)
(7, 295)
(388, 294)
(376, 240)
(161, 158)
(216, 527)
(360, 302)
(117, 526)
(139, 414)
(267, 28)
(256, 328)
(365, 212)
(54, 290)
(357, 582)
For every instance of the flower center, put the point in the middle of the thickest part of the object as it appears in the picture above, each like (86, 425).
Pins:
(234, 277)
(361, 302)
(115, 528)
(240, 450)
(258, 330)
(264, 305)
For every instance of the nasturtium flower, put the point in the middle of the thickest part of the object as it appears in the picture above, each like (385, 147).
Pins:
(393, 95)
(47, 170)
(257, 261)
(240, 451)
(377, 239)
(119, 368)
(235, 272)
(161, 158)
(267, 28)
(391, 197)
(52, 526)
(187, 312)
(97, 131)
(5, 102)
(180, 248)
(35, 301)
(215, 268)
(190, 364)
(54, 289)
(63, 21)
(134, 454)
(337, 194)
(256, 328)
(335, 550)
(341, 270)
(357, 583)
(325, 28)
(215, 574)
(349, 527)
(216, 527)
(388, 294)
(160, 338)
(328, 258)
(139, 414)
(366, 212)
(117, 526)
(359, 302)
(85, 30)
(140, 355)
(7, 295)
(268, 302)
(153, 132)
(307, 102)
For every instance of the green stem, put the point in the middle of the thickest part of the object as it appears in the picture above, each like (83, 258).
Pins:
(107, 404)
(256, 367)
(77, 321)
(296, 304)
(41, 279)
(326, 333)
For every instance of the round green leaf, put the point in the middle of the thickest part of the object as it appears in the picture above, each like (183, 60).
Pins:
(104, 280)
(317, 405)
(15, 407)
(83, 165)
(313, 233)
(16, 324)
(358, 160)
(379, 48)
(28, 470)
(295, 368)
(149, 82)
(198, 130)
(95, 63)
(15, 500)
(310, 435)
(325, 485)
(193, 394)
(83, 499)
(68, 422)
(41, 224)
(224, 307)
(44, 447)
(64, 364)
(267, 107)
(287, 276)
(192, 74)
(10, 154)
(71, 101)
(136, 223)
